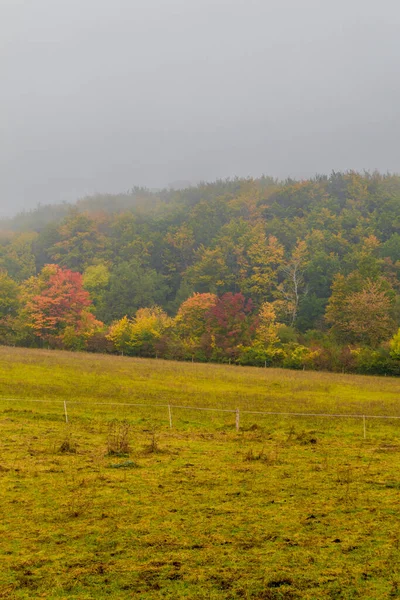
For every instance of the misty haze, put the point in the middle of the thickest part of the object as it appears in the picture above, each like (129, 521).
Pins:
(101, 96)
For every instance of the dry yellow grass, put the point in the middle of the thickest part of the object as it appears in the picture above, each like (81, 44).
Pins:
(286, 508)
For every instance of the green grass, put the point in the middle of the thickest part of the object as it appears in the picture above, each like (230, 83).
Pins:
(288, 507)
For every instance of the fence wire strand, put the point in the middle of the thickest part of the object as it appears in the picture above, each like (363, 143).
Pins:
(213, 409)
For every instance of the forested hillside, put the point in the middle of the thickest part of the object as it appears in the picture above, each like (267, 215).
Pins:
(295, 273)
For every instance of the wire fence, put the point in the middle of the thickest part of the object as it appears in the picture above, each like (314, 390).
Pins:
(170, 408)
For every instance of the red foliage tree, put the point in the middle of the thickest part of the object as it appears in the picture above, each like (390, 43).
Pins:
(229, 324)
(62, 302)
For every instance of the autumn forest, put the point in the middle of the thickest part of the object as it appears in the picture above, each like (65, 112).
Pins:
(297, 274)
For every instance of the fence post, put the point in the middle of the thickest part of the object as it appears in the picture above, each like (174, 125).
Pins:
(237, 419)
(65, 411)
(170, 415)
(365, 428)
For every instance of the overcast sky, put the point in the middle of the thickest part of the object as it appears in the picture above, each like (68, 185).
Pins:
(103, 95)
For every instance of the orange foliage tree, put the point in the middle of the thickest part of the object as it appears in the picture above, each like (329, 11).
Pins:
(361, 311)
(189, 325)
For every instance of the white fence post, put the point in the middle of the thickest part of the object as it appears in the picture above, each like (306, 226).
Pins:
(170, 415)
(65, 411)
(237, 419)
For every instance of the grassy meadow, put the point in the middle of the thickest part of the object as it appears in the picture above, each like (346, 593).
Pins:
(116, 504)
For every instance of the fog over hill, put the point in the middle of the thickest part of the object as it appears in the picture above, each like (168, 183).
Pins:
(101, 95)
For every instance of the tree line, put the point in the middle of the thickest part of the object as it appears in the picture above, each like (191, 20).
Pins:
(300, 274)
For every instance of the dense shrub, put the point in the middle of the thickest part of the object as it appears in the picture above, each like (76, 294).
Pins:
(98, 342)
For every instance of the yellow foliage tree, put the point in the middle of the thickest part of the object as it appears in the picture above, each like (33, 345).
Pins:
(139, 336)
